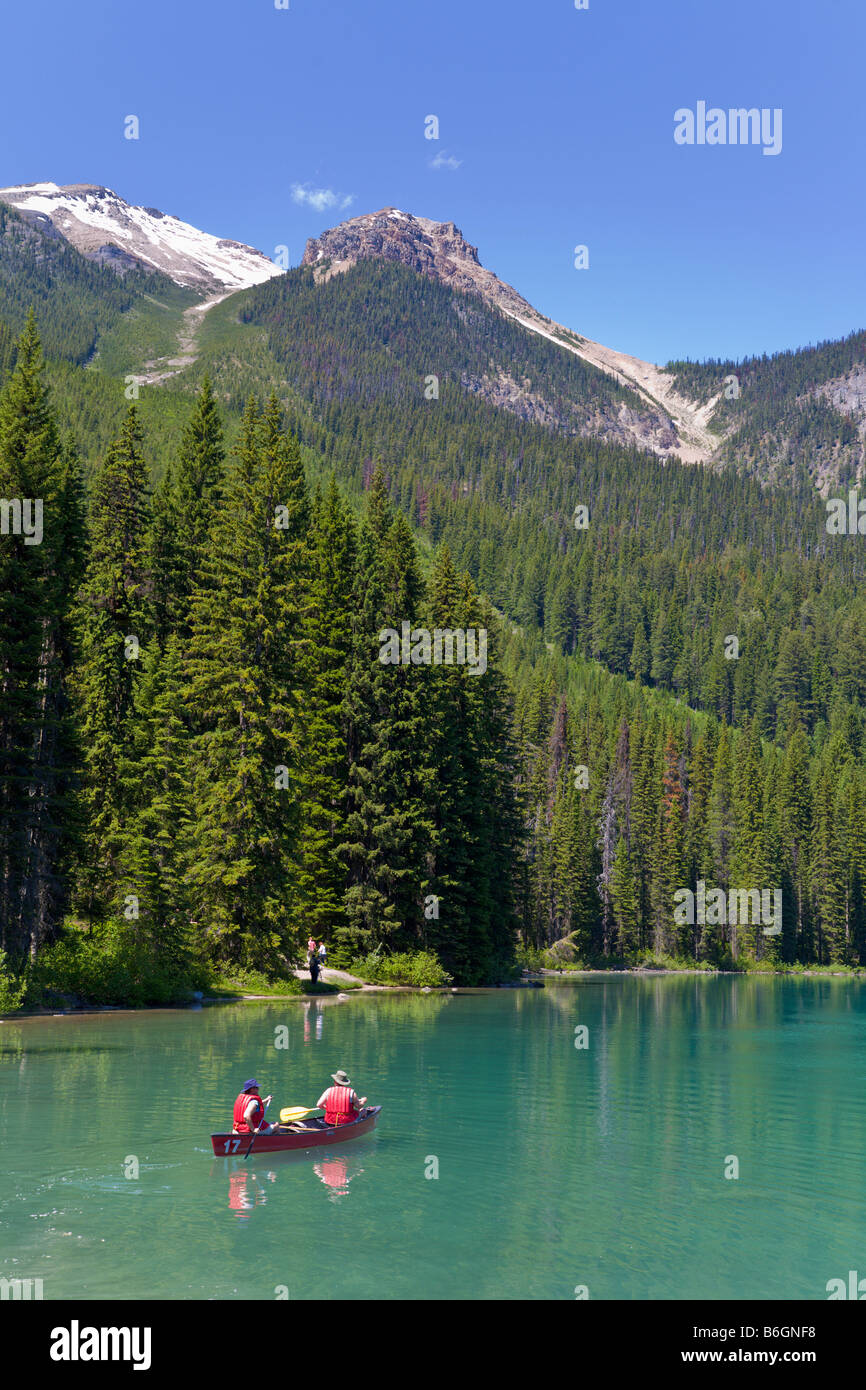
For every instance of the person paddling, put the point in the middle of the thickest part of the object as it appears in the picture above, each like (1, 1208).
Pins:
(248, 1116)
(339, 1102)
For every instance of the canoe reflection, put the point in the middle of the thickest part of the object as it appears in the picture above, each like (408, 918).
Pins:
(247, 1181)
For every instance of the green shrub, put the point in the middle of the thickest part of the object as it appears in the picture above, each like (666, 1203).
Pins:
(418, 968)
(12, 988)
(115, 964)
(531, 958)
(246, 980)
(660, 960)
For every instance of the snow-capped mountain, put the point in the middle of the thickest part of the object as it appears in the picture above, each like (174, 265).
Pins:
(101, 225)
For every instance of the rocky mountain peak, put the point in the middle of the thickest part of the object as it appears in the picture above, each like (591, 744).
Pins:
(431, 248)
(671, 425)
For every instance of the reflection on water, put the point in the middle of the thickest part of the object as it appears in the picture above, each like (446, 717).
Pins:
(319, 1018)
(246, 1192)
(336, 1172)
(557, 1166)
(246, 1185)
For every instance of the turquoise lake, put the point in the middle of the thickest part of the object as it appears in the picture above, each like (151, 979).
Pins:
(558, 1166)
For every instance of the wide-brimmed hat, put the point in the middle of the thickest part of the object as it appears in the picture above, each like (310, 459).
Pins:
(341, 1078)
(250, 1086)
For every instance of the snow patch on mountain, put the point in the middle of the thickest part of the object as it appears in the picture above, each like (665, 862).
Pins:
(93, 219)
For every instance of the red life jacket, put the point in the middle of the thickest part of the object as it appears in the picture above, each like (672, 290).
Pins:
(239, 1124)
(339, 1110)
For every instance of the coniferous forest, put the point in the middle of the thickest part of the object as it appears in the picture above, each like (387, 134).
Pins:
(204, 760)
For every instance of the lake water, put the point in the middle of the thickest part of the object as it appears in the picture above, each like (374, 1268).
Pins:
(558, 1166)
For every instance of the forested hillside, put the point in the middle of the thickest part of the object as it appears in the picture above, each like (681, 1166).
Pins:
(630, 799)
(466, 343)
(203, 758)
(76, 300)
(674, 559)
(794, 414)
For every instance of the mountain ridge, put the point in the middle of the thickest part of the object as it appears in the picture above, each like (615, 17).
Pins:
(440, 250)
(713, 413)
(104, 227)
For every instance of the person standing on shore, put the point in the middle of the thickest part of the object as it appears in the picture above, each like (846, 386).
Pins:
(323, 954)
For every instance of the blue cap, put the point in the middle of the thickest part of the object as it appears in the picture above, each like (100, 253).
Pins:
(250, 1086)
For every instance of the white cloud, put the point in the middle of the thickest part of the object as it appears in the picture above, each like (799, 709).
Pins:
(321, 199)
(445, 161)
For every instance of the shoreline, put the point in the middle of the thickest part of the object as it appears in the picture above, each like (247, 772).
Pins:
(853, 973)
(531, 980)
(215, 999)
(210, 1000)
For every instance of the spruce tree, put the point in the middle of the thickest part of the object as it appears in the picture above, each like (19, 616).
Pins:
(855, 840)
(476, 813)
(115, 625)
(669, 863)
(324, 767)
(624, 900)
(795, 795)
(154, 854)
(188, 497)
(388, 822)
(247, 673)
(40, 558)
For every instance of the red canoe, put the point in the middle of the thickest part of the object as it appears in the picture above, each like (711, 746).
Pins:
(306, 1134)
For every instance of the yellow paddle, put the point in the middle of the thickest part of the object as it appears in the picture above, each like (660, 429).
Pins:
(291, 1114)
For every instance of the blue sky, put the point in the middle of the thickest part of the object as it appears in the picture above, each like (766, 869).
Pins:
(560, 123)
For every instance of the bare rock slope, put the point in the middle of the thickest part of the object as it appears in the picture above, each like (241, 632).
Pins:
(670, 425)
